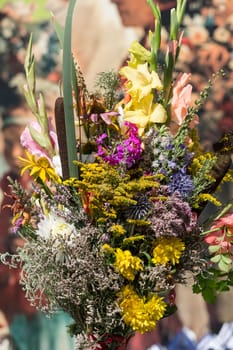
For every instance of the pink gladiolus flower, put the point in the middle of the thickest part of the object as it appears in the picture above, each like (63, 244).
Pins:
(223, 236)
(28, 142)
(181, 101)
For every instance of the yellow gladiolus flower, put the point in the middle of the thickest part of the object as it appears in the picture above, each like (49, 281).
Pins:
(144, 112)
(138, 54)
(141, 80)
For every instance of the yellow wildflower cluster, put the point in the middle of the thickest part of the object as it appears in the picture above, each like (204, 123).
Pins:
(127, 264)
(118, 230)
(133, 239)
(205, 197)
(199, 162)
(139, 222)
(168, 250)
(140, 314)
(108, 191)
(228, 177)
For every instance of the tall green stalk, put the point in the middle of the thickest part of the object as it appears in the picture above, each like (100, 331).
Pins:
(67, 70)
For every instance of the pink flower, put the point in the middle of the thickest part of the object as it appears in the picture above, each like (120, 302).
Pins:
(173, 45)
(32, 146)
(181, 101)
(223, 236)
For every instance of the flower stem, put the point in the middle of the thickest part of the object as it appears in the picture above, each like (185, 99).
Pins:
(67, 70)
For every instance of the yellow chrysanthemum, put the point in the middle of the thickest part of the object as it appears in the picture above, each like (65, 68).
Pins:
(142, 82)
(168, 250)
(144, 112)
(127, 264)
(39, 168)
(140, 314)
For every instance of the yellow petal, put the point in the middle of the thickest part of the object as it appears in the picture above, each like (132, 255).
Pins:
(158, 114)
(136, 117)
(142, 81)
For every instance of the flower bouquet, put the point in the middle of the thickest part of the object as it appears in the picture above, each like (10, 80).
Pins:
(112, 223)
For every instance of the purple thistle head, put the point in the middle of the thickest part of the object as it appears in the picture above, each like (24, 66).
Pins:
(182, 183)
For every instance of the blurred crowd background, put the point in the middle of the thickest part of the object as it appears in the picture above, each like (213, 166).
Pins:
(102, 33)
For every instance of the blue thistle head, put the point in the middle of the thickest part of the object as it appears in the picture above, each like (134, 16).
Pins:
(182, 183)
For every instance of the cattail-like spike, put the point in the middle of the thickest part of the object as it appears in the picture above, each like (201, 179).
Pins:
(61, 135)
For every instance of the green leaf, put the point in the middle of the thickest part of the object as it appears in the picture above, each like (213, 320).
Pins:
(180, 9)
(223, 266)
(170, 310)
(43, 120)
(155, 9)
(230, 276)
(226, 259)
(29, 66)
(173, 25)
(148, 257)
(59, 29)
(209, 295)
(223, 286)
(216, 259)
(67, 71)
(213, 248)
(196, 288)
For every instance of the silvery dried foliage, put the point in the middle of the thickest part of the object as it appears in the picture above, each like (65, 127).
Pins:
(72, 275)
